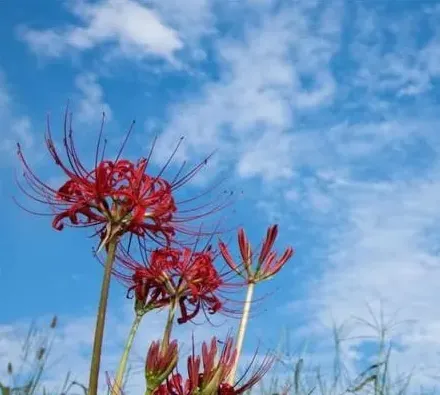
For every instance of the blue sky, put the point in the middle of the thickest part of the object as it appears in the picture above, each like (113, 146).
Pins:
(324, 113)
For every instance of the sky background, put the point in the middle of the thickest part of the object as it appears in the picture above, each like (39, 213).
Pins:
(323, 113)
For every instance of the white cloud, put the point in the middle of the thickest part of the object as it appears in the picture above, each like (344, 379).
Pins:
(260, 90)
(91, 100)
(136, 30)
(258, 160)
(378, 239)
(370, 183)
(392, 56)
(192, 19)
(385, 250)
(15, 128)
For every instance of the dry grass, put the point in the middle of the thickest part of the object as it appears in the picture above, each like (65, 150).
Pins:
(26, 376)
(376, 379)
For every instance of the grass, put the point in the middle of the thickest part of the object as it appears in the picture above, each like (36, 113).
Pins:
(373, 379)
(296, 375)
(26, 376)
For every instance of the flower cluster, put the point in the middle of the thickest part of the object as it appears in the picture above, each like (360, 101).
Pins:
(182, 277)
(208, 373)
(267, 265)
(114, 196)
(118, 198)
(160, 363)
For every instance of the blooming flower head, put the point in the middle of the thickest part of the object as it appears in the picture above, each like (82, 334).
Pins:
(208, 373)
(116, 196)
(175, 275)
(268, 263)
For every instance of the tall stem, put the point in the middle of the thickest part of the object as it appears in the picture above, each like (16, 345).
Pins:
(242, 330)
(168, 327)
(100, 321)
(117, 387)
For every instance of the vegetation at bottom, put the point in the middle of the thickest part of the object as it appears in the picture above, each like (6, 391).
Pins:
(292, 373)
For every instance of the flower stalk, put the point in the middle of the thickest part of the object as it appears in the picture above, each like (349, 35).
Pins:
(268, 264)
(242, 330)
(168, 327)
(124, 358)
(100, 321)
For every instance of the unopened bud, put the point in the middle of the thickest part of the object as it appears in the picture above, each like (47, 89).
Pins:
(160, 363)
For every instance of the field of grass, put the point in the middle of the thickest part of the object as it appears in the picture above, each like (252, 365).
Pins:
(291, 374)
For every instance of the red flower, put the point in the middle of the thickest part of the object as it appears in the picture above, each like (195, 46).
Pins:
(208, 374)
(119, 195)
(160, 362)
(116, 196)
(186, 277)
(268, 263)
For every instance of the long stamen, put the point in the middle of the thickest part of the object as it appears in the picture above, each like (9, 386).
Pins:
(125, 140)
(170, 158)
(98, 145)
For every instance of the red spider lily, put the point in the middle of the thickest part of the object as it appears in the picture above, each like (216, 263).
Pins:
(268, 263)
(115, 196)
(208, 374)
(181, 276)
(160, 363)
(120, 196)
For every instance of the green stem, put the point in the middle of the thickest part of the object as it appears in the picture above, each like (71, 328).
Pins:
(168, 326)
(242, 330)
(150, 389)
(100, 321)
(117, 387)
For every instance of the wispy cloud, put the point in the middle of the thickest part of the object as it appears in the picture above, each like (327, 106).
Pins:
(106, 22)
(15, 128)
(384, 250)
(399, 55)
(342, 149)
(262, 86)
(193, 20)
(90, 102)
